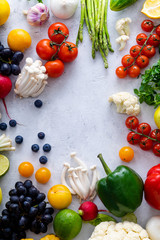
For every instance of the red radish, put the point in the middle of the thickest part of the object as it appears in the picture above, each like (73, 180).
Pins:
(5, 88)
(88, 211)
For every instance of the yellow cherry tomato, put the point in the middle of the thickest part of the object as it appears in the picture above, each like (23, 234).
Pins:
(59, 196)
(43, 175)
(4, 11)
(126, 154)
(26, 169)
(19, 40)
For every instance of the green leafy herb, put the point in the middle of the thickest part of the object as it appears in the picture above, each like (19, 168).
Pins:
(149, 91)
(40, 1)
(101, 218)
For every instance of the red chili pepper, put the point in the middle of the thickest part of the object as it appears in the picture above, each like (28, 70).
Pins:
(152, 187)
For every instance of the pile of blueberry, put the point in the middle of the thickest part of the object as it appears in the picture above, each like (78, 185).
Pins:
(25, 210)
(9, 61)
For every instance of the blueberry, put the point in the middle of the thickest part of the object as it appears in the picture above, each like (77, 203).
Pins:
(19, 139)
(3, 126)
(43, 160)
(41, 135)
(35, 148)
(47, 147)
(15, 69)
(12, 123)
(38, 103)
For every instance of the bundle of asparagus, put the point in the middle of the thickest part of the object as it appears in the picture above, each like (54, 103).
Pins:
(94, 13)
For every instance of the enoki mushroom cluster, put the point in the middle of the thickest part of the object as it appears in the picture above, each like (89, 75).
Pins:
(79, 180)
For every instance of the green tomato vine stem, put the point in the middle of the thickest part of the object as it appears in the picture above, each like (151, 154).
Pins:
(141, 134)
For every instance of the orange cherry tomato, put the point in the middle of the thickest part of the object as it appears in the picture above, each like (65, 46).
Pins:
(43, 175)
(26, 169)
(54, 68)
(134, 71)
(127, 60)
(121, 72)
(126, 154)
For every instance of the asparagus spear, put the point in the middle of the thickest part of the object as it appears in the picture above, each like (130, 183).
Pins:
(80, 31)
(105, 26)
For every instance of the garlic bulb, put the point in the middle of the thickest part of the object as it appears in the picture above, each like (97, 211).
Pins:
(37, 15)
(63, 9)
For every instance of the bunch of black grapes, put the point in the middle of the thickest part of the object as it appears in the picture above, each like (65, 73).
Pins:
(9, 61)
(26, 209)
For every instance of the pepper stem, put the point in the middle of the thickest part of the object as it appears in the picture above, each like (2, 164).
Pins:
(105, 166)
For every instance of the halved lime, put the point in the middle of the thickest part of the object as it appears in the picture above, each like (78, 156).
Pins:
(4, 165)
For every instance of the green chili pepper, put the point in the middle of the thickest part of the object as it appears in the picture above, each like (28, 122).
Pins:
(121, 191)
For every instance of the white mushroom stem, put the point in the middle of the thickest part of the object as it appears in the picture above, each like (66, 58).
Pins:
(86, 182)
(63, 177)
(78, 171)
(94, 179)
(6, 143)
(79, 185)
(79, 161)
(74, 187)
(93, 195)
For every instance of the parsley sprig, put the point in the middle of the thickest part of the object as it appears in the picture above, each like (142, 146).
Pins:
(40, 1)
(149, 90)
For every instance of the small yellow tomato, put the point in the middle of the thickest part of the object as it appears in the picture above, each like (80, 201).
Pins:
(26, 169)
(43, 175)
(59, 196)
(19, 40)
(126, 154)
(4, 11)
(50, 237)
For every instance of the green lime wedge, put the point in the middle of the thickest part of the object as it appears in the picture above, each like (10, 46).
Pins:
(4, 165)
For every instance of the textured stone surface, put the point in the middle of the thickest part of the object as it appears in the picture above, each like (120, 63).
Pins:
(76, 115)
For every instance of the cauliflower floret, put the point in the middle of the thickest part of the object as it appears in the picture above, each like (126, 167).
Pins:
(126, 103)
(119, 231)
(122, 40)
(122, 26)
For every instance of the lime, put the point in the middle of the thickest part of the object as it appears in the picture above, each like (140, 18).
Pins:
(67, 224)
(157, 117)
(4, 165)
(0, 195)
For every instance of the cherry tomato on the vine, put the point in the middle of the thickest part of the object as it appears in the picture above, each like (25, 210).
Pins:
(45, 50)
(158, 30)
(144, 128)
(133, 138)
(147, 25)
(142, 61)
(126, 154)
(132, 122)
(155, 134)
(134, 71)
(154, 40)
(135, 50)
(121, 72)
(127, 60)
(149, 51)
(58, 32)
(141, 38)
(54, 68)
(156, 149)
(145, 143)
(68, 52)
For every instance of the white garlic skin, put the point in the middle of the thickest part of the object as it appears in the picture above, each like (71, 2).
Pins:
(63, 9)
(38, 14)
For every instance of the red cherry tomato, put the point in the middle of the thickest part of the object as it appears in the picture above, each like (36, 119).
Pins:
(127, 60)
(133, 138)
(54, 68)
(147, 25)
(145, 143)
(135, 50)
(156, 149)
(132, 122)
(134, 71)
(144, 128)
(158, 30)
(142, 61)
(121, 72)
(155, 134)
(154, 40)
(45, 50)
(57, 32)
(149, 51)
(141, 38)
(68, 52)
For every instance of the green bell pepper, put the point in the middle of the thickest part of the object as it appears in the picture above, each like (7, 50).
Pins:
(121, 191)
